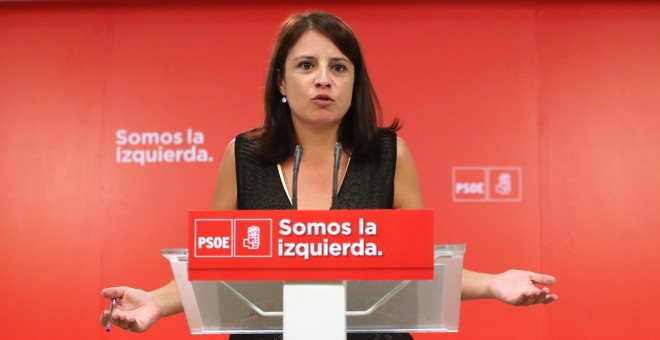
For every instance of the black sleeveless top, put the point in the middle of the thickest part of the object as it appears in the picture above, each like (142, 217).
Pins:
(368, 184)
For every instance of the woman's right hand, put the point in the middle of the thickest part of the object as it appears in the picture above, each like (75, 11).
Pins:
(135, 310)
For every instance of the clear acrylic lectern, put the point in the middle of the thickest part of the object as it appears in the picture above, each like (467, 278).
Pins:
(220, 307)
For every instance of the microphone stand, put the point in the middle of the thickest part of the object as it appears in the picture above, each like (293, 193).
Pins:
(335, 175)
(296, 167)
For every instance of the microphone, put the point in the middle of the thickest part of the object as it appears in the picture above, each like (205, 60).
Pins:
(335, 175)
(296, 166)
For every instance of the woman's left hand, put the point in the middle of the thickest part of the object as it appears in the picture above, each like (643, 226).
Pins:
(518, 288)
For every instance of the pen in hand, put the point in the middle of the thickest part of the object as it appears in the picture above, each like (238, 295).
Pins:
(113, 302)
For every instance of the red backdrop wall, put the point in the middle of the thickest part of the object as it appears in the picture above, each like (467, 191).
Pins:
(565, 93)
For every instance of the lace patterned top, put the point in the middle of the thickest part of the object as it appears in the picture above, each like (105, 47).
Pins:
(368, 184)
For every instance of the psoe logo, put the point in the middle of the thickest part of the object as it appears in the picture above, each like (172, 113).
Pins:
(233, 238)
(253, 237)
(487, 184)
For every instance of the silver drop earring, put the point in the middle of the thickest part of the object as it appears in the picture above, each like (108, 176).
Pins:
(284, 99)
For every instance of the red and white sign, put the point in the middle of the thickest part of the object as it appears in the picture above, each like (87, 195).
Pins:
(487, 184)
(311, 245)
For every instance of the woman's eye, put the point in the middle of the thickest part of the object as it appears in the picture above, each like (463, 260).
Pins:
(339, 67)
(305, 65)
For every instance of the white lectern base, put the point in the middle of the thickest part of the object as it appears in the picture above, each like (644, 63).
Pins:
(314, 310)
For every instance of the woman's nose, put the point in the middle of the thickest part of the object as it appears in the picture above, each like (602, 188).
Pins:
(322, 78)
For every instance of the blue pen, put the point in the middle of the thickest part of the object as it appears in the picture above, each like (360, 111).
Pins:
(113, 302)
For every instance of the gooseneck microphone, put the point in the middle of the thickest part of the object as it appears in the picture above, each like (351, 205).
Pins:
(335, 175)
(296, 166)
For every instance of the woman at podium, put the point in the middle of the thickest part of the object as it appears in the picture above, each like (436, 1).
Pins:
(321, 113)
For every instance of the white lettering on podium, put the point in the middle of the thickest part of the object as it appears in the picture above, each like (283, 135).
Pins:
(370, 229)
(327, 248)
(314, 228)
(213, 242)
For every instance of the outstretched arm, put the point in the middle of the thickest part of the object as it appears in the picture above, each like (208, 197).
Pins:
(515, 287)
(138, 310)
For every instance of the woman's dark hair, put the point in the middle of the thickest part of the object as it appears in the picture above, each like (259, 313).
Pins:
(360, 127)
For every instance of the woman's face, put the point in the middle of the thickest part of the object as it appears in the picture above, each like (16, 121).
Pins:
(318, 81)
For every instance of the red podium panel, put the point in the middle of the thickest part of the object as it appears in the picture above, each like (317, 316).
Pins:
(311, 245)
